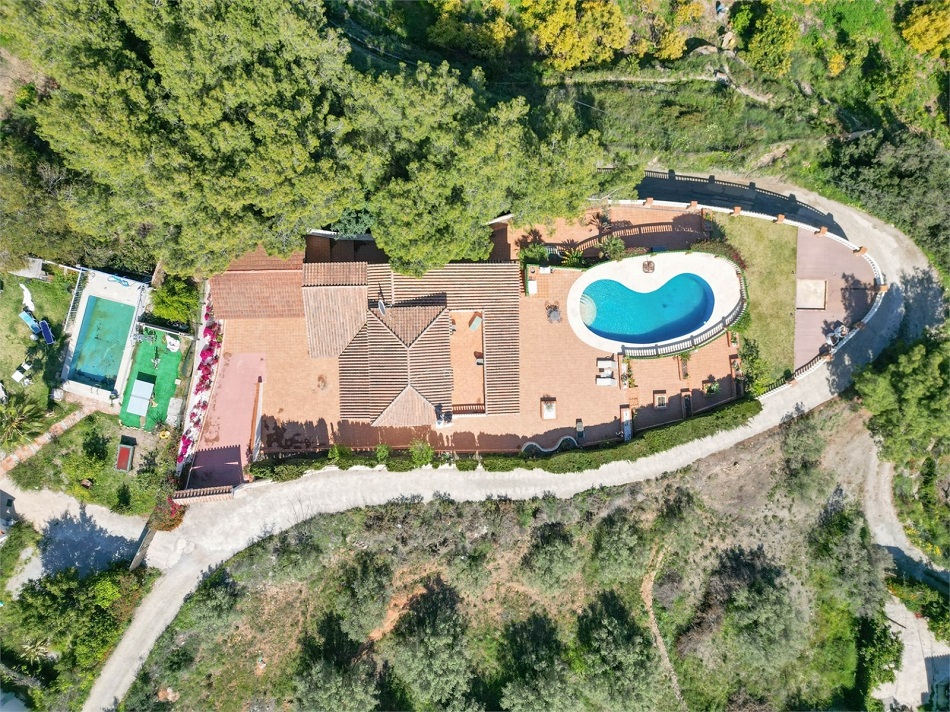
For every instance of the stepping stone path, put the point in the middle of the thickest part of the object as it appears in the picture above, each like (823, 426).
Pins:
(24, 452)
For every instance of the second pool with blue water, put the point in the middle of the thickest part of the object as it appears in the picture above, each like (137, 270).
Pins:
(614, 311)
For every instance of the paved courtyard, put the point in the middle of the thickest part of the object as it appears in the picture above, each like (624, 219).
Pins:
(849, 293)
(301, 398)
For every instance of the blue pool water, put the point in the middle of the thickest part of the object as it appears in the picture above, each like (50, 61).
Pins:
(679, 307)
(101, 343)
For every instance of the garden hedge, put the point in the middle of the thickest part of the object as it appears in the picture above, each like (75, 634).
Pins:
(649, 442)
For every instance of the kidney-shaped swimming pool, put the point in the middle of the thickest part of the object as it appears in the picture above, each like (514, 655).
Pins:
(677, 296)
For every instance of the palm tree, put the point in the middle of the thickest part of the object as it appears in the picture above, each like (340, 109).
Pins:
(21, 419)
(35, 651)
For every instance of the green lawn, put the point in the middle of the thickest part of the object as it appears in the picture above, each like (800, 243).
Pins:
(88, 451)
(52, 301)
(769, 252)
(165, 372)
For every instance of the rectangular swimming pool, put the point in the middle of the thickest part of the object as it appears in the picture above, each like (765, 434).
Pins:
(102, 340)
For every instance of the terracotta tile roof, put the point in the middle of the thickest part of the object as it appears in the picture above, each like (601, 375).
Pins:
(332, 274)
(408, 322)
(494, 288)
(408, 408)
(430, 362)
(257, 295)
(389, 382)
(334, 316)
(260, 260)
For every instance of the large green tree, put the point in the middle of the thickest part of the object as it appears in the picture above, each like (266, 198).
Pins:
(206, 128)
(908, 395)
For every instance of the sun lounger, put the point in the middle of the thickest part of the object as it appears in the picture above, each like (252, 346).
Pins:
(47, 333)
(30, 321)
(606, 367)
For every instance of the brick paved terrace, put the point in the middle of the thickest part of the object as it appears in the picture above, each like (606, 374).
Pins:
(638, 227)
(849, 292)
(301, 403)
(558, 386)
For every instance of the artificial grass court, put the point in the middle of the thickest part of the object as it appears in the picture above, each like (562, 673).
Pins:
(153, 360)
(769, 252)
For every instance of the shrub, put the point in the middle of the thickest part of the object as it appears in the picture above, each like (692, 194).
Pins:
(466, 464)
(365, 588)
(550, 558)
(382, 453)
(322, 686)
(504, 463)
(428, 650)
(574, 258)
(421, 453)
(399, 463)
(621, 548)
(167, 515)
(533, 253)
(771, 45)
(924, 601)
(176, 300)
(284, 470)
(339, 455)
(612, 248)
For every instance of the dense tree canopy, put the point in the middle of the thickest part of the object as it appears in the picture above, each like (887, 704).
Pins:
(205, 129)
(909, 397)
(574, 32)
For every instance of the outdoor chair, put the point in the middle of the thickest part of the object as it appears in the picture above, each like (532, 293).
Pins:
(30, 321)
(47, 333)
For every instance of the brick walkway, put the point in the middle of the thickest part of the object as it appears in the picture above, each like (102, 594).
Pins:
(24, 452)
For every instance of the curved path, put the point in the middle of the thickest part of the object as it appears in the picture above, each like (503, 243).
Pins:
(211, 533)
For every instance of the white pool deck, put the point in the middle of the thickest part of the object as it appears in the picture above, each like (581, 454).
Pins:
(720, 274)
(105, 286)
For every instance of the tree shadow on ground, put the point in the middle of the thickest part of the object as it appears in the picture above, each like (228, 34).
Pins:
(726, 194)
(912, 304)
(71, 541)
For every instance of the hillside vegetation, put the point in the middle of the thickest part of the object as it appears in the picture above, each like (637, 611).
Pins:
(187, 133)
(765, 587)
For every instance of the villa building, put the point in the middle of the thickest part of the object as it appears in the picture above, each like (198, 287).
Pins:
(331, 346)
